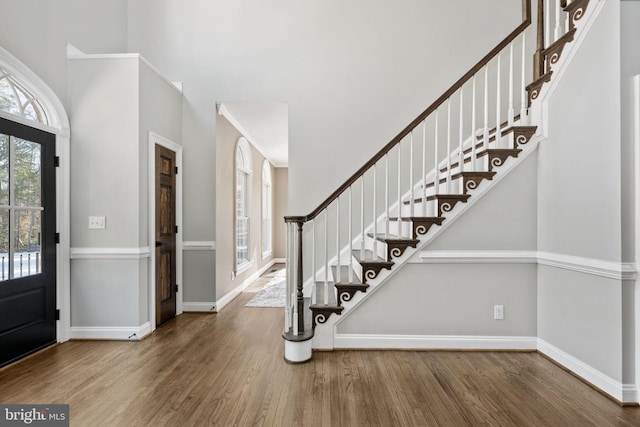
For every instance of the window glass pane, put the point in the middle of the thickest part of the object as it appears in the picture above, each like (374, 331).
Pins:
(4, 170)
(242, 241)
(8, 100)
(26, 173)
(4, 244)
(27, 252)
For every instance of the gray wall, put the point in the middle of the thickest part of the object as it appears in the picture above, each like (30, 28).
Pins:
(37, 33)
(579, 202)
(113, 104)
(458, 299)
(281, 193)
(227, 137)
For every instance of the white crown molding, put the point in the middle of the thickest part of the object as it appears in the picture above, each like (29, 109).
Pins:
(439, 342)
(198, 246)
(624, 393)
(75, 53)
(597, 267)
(121, 333)
(224, 112)
(110, 253)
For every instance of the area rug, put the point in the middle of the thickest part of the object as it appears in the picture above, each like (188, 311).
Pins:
(272, 295)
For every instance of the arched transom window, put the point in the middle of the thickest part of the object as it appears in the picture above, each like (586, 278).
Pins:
(243, 197)
(16, 99)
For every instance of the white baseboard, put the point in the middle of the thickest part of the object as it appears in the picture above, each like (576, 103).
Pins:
(625, 393)
(202, 306)
(434, 342)
(219, 305)
(120, 333)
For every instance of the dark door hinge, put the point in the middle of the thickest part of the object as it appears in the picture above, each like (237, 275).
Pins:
(57, 314)
(57, 238)
(177, 288)
(176, 170)
(56, 161)
(176, 229)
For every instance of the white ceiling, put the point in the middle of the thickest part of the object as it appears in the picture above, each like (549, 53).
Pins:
(264, 124)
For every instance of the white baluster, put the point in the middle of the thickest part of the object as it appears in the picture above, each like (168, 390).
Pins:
(436, 182)
(424, 167)
(337, 278)
(557, 30)
(411, 201)
(399, 189)
(326, 256)
(523, 100)
(547, 24)
(350, 235)
(485, 134)
(461, 129)
(287, 308)
(498, 103)
(386, 193)
(473, 124)
(511, 113)
(375, 216)
(362, 219)
(448, 177)
(313, 261)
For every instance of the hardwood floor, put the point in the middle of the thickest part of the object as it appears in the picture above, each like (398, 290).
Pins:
(228, 369)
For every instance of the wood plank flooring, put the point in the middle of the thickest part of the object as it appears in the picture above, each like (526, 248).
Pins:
(227, 369)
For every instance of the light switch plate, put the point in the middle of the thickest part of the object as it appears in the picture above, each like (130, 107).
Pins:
(97, 222)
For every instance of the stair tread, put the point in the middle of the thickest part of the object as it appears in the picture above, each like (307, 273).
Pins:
(392, 238)
(461, 197)
(369, 257)
(418, 218)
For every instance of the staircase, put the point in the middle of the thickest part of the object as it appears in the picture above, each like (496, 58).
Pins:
(424, 178)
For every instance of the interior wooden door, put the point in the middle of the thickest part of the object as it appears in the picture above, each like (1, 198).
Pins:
(27, 240)
(166, 230)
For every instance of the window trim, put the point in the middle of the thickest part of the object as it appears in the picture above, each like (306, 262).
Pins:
(267, 186)
(242, 165)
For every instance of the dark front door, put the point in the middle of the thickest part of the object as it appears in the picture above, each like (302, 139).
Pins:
(27, 240)
(165, 234)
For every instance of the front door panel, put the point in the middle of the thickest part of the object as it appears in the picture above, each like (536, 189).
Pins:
(27, 240)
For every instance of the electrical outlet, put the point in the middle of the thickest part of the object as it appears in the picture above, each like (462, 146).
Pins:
(498, 312)
(97, 222)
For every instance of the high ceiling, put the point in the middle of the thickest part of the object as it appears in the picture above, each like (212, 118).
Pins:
(264, 124)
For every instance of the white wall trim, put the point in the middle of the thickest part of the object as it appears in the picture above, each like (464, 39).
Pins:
(222, 111)
(603, 268)
(201, 306)
(110, 253)
(75, 53)
(479, 257)
(198, 246)
(153, 140)
(597, 267)
(226, 299)
(622, 392)
(121, 333)
(636, 168)
(434, 342)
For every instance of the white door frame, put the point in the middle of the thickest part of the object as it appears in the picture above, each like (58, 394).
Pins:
(154, 139)
(636, 144)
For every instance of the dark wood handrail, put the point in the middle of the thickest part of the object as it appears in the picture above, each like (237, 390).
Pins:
(526, 15)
